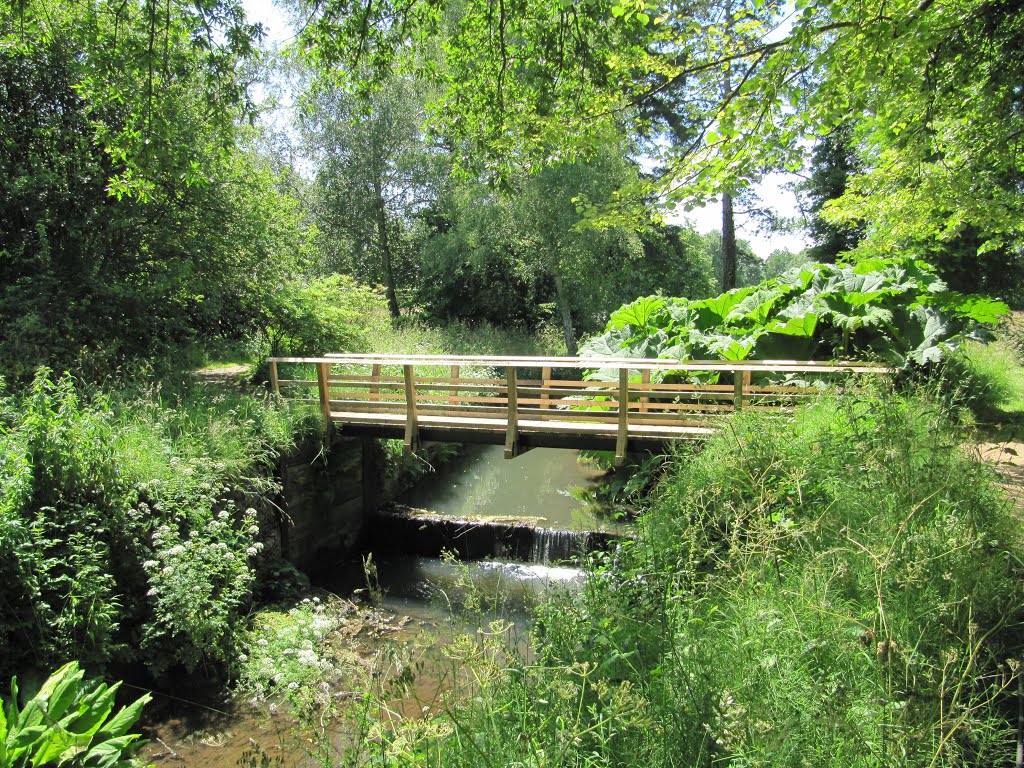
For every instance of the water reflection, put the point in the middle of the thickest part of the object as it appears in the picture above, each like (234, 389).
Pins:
(536, 484)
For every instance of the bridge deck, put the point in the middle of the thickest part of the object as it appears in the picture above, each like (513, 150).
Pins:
(521, 403)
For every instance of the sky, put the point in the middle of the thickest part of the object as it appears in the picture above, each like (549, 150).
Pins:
(707, 219)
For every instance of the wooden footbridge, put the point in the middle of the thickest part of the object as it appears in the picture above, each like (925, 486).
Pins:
(527, 402)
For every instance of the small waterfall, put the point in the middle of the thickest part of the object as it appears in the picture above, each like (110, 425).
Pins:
(557, 546)
(407, 530)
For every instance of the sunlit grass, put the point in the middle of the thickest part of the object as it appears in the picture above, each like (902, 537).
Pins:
(998, 374)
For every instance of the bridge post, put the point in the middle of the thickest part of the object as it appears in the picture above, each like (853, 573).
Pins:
(738, 379)
(512, 425)
(275, 386)
(323, 372)
(453, 398)
(412, 427)
(622, 437)
(375, 386)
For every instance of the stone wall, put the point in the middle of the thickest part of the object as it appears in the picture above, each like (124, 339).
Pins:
(323, 501)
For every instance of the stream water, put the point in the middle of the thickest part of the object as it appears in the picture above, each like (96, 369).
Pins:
(537, 484)
(419, 599)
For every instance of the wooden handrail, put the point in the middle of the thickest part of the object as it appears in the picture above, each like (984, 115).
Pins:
(630, 412)
(640, 364)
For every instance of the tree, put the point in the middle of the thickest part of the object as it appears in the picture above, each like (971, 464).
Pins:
(934, 88)
(131, 217)
(374, 172)
(833, 162)
(749, 268)
(781, 260)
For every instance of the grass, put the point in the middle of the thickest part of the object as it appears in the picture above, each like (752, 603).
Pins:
(839, 588)
(997, 378)
(466, 339)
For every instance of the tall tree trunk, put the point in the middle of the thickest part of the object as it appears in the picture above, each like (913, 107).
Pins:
(385, 254)
(728, 225)
(728, 245)
(565, 313)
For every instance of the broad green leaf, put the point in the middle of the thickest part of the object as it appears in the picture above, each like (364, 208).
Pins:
(57, 743)
(638, 314)
(711, 313)
(803, 325)
(62, 689)
(757, 307)
(119, 724)
(94, 709)
(109, 753)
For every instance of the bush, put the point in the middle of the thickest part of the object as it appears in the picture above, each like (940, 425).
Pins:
(126, 528)
(316, 316)
(842, 587)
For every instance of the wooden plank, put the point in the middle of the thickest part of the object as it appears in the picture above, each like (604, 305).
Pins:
(375, 376)
(545, 375)
(645, 382)
(622, 438)
(512, 427)
(455, 377)
(323, 370)
(274, 386)
(593, 363)
(356, 378)
(412, 432)
(737, 398)
(529, 426)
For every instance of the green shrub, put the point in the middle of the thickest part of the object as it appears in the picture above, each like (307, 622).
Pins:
(843, 587)
(315, 316)
(896, 310)
(126, 523)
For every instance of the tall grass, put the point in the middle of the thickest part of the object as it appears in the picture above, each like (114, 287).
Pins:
(465, 339)
(839, 588)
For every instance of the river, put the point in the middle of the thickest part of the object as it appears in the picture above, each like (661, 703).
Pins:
(420, 604)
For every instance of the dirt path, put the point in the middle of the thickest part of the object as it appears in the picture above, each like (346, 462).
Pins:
(1007, 456)
(226, 376)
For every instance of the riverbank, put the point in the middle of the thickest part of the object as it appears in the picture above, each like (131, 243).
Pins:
(843, 584)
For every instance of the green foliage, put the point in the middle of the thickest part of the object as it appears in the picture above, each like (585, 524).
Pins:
(68, 722)
(126, 532)
(780, 609)
(308, 317)
(893, 309)
(134, 219)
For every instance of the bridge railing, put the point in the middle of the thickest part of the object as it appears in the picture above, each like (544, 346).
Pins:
(533, 397)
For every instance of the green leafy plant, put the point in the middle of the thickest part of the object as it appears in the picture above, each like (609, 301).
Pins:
(896, 310)
(69, 722)
(317, 316)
